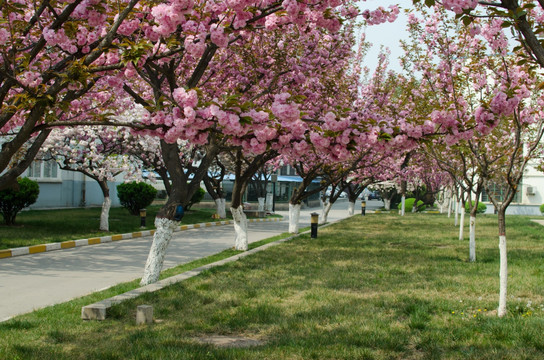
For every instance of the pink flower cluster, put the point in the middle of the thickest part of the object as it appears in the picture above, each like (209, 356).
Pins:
(59, 38)
(485, 121)
(458, 5)
(128, 27)
(185, 98)
(169, 16)
(501, 104)
(285, 111)
(380, 15)
(218, 36)
(4, 36)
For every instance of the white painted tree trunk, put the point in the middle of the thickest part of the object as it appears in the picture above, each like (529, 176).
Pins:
(261, 203)
(351, 208)
(461, 225)
(325, 212)
(294, 217)
(220, 205)
(450, 203)
(240, 228)
(155, 259)
(472, 239)
(402, 205)
(269, 202)
(387, 204)
(105, 214)
(503, 276)
(456, 213)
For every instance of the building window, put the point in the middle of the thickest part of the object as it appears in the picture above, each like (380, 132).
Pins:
(498, 192)
(284, 170)
(43, 169)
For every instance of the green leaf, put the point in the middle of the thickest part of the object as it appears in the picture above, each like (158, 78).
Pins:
(467, 20)
(246, 120)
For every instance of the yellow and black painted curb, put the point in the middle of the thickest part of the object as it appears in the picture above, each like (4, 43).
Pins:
(36, 249)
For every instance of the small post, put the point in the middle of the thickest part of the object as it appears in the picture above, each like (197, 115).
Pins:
(144, 314)
(313, 225)
(142, 218)
(363, 208)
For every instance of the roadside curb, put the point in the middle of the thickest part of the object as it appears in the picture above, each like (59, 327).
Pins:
(36, 249)
(98, 310)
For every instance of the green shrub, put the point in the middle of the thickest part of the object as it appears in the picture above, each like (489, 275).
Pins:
(14, 200)
(196, 198)
(542, 209)
(409, 204)
(481, 208)
(135, 196)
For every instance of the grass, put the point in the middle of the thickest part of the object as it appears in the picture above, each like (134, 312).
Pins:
(36, 227)
(373, 287)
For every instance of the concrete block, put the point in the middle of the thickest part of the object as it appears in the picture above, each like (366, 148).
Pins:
(20, 251)
(53, 246)
(94, 312)
(144, 314)
(82, 242)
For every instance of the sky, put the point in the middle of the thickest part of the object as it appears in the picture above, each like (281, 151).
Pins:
(388, 34)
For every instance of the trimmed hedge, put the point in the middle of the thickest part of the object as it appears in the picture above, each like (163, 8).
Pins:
(481, 208)
(409, 204)
(196, 198)
(14, 200)
(135, 196)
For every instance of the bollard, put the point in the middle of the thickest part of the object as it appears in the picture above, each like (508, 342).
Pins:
(144, 314)
(363, 207)
(313, 225)
(142, 218)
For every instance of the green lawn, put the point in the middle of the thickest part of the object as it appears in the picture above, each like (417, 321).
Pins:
(373, 287)
(46, 226)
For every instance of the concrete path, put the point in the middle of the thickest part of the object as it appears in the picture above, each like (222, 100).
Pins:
(36, 281)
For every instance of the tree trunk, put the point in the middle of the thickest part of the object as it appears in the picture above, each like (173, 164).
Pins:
(105, 214)
(472, 239)
(269, 204)
(351, 208)
(161, 239)
(220, 205)
(462, 223)
(450, 203)
(106, 204)
(456, 212)
(387, 204)
(261, 203)
(402, 205)
(503, 272)
(180, 194)
(294, 217)
(240, 228)
(325, 212)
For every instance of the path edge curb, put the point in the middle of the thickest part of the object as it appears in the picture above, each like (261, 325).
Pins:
(37, 249)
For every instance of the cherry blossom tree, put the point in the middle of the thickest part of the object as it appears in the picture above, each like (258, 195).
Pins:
(53, 54)
(498, 109)
(245, 167)
(96, 152)
(184, 80)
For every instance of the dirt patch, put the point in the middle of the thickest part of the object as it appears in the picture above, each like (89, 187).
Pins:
(440, 246)
(230, 341)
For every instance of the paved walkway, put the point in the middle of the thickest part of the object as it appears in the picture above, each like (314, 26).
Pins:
(36, 281)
